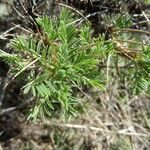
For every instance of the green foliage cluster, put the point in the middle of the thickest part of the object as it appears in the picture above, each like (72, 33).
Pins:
(147, 1)
(64, 57)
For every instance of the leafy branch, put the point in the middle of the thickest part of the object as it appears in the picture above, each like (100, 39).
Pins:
(64, 60)
(64, 57)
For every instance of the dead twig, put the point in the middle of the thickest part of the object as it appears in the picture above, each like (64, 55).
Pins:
(127, 131)
(10, 109)
(5, 34)
(133, 31)
(73, 9)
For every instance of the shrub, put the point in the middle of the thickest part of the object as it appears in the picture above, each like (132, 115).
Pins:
(64, 56)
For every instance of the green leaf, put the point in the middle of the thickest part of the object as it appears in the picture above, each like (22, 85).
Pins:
(27, 89)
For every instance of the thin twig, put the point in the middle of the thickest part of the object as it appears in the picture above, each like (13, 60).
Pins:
(5, 34)
(145, 16)
(10, 109)
(19, 14)
(120, 132)
(141, 22)
(133, 31)
(24, 29)
(75, 10)
(108, 64)
(23, 69)
(3, 82)
(129, 41)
